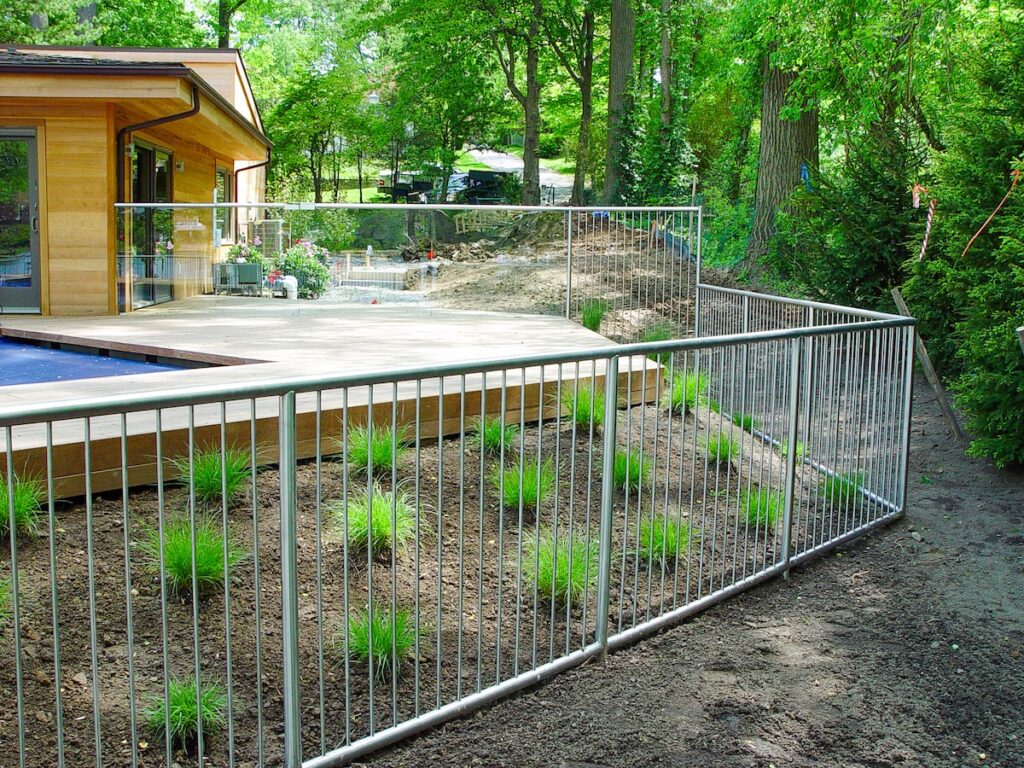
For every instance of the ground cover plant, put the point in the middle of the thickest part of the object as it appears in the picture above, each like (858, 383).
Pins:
(722, 448)
(562, 568)
(178, 555)
(375, 520)
(592, 313)
(665, 540)
(631, 470)
(658, 332)
(493, 435)
(685, 391)
(187, 710)
(584, 407)
(745, 421)
(29, 495)
(528, 483)
(389, 638)
(762, 507)
(211, 477)
(841, 492)
(376, 449)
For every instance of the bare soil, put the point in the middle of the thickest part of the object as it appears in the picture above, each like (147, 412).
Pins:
(893, 651)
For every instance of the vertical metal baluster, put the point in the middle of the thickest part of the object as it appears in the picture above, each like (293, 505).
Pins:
(370, 607)
(519, 521)
(537, 515)
(480, 534)
(790, 481)
(197, 656)
(318, 535)
(462, 535)
(345, 555)
(418, 506)
(604, 571)
(129, 613)
(440, 532)
(258, 616)
(165, 628)
(93, 629)
(12, 528)
(394, 552)
(289, 584)
(58, 691)
(227, 585)
(501, 531)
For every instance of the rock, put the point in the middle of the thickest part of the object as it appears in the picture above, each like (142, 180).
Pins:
(916, 536)
(80, 679)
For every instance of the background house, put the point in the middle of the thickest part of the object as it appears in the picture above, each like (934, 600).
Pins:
(83, 128)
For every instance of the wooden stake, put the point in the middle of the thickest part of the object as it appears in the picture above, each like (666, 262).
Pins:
(933, 378)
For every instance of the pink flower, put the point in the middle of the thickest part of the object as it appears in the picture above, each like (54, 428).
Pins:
(256, 241)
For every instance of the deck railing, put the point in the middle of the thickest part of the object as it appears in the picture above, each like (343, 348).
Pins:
(611, 492)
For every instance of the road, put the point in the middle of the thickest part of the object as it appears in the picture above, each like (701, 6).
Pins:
(504, 161)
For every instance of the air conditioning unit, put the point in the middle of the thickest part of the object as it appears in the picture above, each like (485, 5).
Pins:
(274, 235)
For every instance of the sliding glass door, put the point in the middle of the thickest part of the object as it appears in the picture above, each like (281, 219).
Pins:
(19, 222)
(152, 229)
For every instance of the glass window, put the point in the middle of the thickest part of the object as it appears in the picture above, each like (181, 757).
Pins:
(223, 217)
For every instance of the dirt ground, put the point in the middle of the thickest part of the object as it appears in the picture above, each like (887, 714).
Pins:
(893, 651)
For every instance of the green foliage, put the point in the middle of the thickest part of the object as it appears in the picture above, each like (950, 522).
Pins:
(563, 569)
(658, 332)
(330, 229)
(368, 521)
(722, 448)
(6, 601)
(592, 313)
(188, 710)
(307, 264)
(209, 476)
(29, 495)
(378, 448)
(585, 408)
(762, 507)
(800, 450)
(389, 638)
(842, 492)
(527, 483)
(666, 540)
(745, 421)
(178, 555)
(631, 471)
(684, 391)
(493, 435)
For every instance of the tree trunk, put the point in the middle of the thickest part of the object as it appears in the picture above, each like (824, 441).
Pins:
(359, 172)
(586, 83)
(666, 65)
(786, 146)
(623, 32)
(531, 141)
(224, 13)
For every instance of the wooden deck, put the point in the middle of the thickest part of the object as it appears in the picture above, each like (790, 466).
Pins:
(254, 341)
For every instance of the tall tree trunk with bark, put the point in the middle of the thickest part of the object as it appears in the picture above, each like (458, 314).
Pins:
(531, 139)
(620, 73)
(786, 146)
(666, 65)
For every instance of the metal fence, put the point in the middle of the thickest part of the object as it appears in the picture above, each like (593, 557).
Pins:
(391, 550)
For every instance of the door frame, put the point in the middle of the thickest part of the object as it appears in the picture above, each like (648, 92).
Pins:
(37, 292)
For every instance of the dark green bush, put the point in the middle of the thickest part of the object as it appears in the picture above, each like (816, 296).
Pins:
(308, 264)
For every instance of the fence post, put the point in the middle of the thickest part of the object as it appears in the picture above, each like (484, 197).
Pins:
(604, 569)
(289, 584)
(795, 358)
(908, 397)
(568, 267)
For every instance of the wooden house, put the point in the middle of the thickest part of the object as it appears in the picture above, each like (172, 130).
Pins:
(83, 128)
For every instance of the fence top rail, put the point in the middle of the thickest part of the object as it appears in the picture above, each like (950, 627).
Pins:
(419, 207)
(802, 302)
(76, 408)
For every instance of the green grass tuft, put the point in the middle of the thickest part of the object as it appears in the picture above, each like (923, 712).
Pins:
(631, 472)
(658, 332)
(842, 492)
(209, 554)
(800, 450)
(493, 435)
(184, 715)
(584, 407)
(392, 638)
(762, 507)
(533, 485)
(378, 446)
(369, 521)
(562, 568)
(684, 391)
(592, 313)
(663, 540)
(745, 421)
(6, 601)
(206, 475)
(29, 495)
(722, 448)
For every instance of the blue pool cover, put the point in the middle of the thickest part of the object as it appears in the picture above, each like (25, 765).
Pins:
(30, 364)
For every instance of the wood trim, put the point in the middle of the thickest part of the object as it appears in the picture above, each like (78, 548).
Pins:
(44, 220)
(113, 214)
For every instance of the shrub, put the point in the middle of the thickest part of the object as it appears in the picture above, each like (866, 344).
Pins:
(493, 435)
(592, 313)
(663, 540)
(722, 448)
(378, 446)
(784, 449)
(185, 713)
(369, 520)
(307, 264)
(842, 492)
(631, 471)
(762, 507)
(684, 391)
(210, 476)
(529, 483)
(392, 638)
(658, 332)
(29, 495)
(745, 421)
(584, 407)
(563, 568)
(209, 554)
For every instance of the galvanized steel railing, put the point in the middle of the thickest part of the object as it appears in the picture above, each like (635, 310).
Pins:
(655, 479)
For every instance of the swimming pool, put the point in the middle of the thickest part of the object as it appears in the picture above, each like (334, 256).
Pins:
(22, 363)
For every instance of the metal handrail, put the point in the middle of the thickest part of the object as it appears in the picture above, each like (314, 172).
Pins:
(423, 207)
(800, 302)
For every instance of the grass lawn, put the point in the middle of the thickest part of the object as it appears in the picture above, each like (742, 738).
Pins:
(566, 165)
(352, 195)
(466, 162)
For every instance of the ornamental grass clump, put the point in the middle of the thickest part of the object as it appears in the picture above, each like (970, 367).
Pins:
(745, 421)
(798, 453)
(377, 450)
(584, 407)
(658, 332)
(841, 492)
(29, 495)
(762, 507)
(187, 710)
(562, 568)
(6, 601)
(211, 477)
(631, 470)
(379, 637)
(721, 448)
(664, 540)
(178, 555)
(685, 390)
(592, 314)
(528, 483)
(376, 520)
(492, 435)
